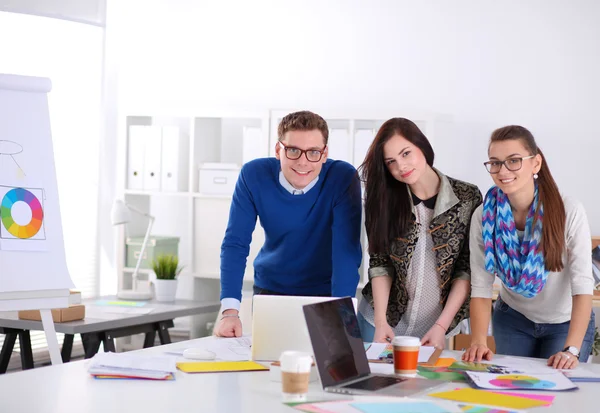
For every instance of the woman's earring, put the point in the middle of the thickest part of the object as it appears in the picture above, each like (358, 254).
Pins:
(535, 176)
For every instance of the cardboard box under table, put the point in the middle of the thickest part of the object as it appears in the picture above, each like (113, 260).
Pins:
(59, 315)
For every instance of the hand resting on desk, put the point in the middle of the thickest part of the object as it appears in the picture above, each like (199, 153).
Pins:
(229, 325)
(561, 360)
(477, 352)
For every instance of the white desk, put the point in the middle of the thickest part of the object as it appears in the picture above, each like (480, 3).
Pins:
(68, 388)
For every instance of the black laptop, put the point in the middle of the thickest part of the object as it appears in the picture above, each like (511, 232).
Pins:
(341, 357)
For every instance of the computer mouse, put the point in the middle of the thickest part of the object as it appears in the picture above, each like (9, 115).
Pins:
(199, 354)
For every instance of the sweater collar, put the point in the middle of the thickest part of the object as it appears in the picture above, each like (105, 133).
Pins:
(288, 187)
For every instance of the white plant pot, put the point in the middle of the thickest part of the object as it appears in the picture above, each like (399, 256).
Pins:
(165, 290)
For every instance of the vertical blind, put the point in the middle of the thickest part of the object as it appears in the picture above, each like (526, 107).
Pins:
(71, 55)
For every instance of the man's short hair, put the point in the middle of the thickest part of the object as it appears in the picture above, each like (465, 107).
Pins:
(303, 120)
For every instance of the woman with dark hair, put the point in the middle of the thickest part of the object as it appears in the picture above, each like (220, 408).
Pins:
(417, 222)
(538, 243)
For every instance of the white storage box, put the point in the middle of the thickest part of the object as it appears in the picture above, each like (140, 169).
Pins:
(218, 178)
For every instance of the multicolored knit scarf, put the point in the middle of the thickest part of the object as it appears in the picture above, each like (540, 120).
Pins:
(520, 265)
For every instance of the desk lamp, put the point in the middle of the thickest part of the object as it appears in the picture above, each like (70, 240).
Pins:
(121, 214)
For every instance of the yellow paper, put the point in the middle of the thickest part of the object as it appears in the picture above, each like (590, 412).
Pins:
(219, 366)
(488, 398)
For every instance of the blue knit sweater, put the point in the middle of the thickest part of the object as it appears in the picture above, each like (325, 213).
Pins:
(312, 241)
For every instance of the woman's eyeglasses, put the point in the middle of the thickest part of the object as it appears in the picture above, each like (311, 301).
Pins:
(512, 164)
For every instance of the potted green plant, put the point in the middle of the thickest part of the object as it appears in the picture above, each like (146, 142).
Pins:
(166, 268)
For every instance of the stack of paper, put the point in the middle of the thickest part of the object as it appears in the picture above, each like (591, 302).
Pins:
(132, 366)
(580, 374)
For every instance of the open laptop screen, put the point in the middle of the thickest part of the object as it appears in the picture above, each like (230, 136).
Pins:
(336, 341)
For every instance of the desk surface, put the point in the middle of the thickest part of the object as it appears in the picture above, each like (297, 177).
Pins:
(98, 319)
(69, 388)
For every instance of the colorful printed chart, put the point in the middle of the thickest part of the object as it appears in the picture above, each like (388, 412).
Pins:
(37, 214)
(516, 381)
(555, 381)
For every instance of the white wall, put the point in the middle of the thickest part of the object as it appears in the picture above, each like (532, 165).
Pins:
(486, 63)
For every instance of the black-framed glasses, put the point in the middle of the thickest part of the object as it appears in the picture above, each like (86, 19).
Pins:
(512, 164)
(312, 155)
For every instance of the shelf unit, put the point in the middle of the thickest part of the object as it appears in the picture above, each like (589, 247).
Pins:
(208, 136)
(199, 219)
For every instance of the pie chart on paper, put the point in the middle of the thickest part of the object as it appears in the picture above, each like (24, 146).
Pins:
(21, 213)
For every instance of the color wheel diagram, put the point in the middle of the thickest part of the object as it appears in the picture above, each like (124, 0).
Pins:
(516, 381)
(21, 213)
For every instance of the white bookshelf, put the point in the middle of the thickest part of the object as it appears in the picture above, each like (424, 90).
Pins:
(200, 219)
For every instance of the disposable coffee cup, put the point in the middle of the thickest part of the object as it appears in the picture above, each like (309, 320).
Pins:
(406, 355)
(295, 375)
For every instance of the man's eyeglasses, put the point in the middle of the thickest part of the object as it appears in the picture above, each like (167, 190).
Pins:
(312, 155)
(512, 164)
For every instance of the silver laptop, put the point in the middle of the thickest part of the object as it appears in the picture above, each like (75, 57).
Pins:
(341, 357)
(278, 325)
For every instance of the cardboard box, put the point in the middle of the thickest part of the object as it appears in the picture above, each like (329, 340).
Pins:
(463, 341)
(59, 315)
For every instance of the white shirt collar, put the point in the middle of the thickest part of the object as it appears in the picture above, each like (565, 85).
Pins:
(288, 187)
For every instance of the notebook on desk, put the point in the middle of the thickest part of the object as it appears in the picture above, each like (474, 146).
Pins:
(274, 314)
(341, 358)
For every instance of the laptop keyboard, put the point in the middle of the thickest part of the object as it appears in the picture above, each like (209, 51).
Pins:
(374, 383)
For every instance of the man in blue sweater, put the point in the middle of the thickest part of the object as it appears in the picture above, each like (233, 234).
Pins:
(310, 210)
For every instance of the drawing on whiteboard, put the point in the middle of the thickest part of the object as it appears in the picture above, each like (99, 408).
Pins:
(10, 148)
(22, 218)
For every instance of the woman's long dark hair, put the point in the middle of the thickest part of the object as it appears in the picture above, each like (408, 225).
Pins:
(387, 203)
(553, 228)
